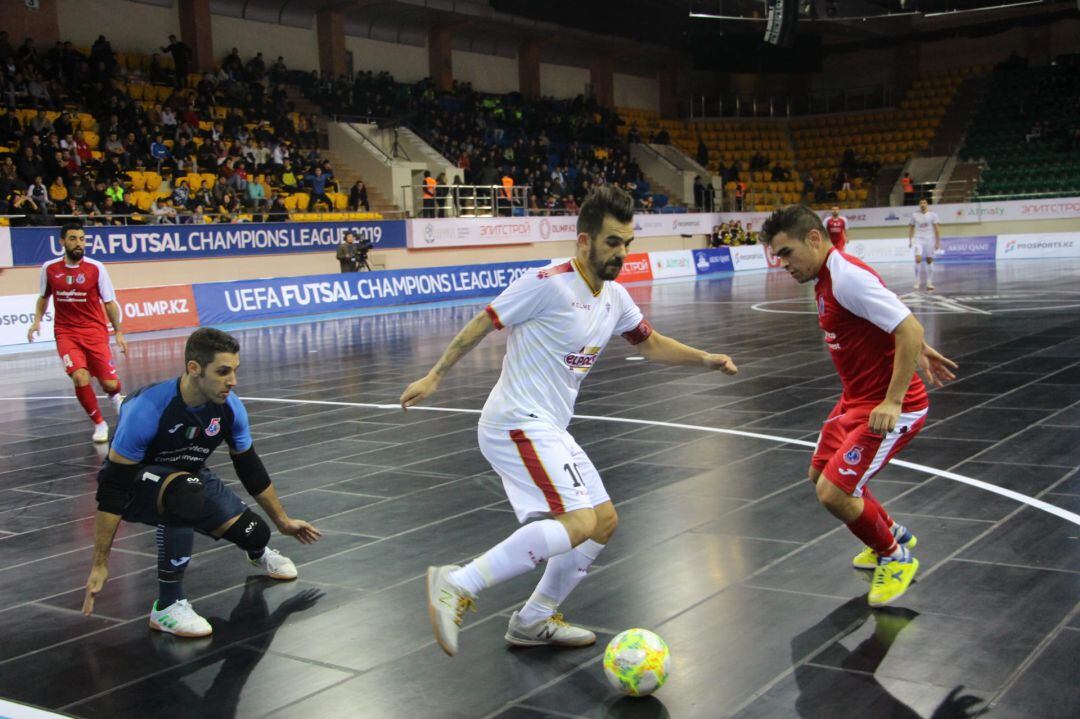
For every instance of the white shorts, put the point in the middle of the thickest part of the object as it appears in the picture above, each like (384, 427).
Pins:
(544, 471)
(924, 248)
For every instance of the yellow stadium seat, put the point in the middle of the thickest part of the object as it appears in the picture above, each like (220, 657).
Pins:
(138, 180)
(153, 181)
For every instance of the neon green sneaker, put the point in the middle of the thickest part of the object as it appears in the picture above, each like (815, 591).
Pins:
(867, 558)
(891, 580)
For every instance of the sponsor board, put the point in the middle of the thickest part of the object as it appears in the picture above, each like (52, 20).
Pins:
(748, 257)
(1048, 245)
(16, 316)
(636, 268)
(158, 308)
(879, 252)
(716, 259)
(36, 245)
(967, 249)
(242, 300)
(675, 263)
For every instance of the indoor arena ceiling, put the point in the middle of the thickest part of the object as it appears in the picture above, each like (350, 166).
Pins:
(644, 34)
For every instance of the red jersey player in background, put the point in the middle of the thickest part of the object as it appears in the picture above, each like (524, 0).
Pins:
(78, 286)
(837, 227)
(876, 344)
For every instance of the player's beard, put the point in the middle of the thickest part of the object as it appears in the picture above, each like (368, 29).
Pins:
(604, 270)
(75, 254)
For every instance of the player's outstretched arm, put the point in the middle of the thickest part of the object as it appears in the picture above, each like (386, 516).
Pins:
(665, 350)
(936, 368)
(298, 529)
(470, 335)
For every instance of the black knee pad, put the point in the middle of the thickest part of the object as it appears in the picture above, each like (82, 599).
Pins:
(249, 532)
(183, 499)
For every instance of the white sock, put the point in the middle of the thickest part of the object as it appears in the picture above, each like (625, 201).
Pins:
(563, 573)
(515, 555)
(929, 272)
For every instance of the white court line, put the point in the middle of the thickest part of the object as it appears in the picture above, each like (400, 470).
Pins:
(971, 481)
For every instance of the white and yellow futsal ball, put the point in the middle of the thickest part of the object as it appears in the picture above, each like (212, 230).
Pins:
(637, 662)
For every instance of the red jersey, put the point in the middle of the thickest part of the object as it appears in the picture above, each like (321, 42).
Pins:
(837, 227)
(858, 315)
(78, 291)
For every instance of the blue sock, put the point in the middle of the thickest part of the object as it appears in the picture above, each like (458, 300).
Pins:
(174, 552)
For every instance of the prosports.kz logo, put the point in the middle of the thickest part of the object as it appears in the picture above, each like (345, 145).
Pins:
(214, 427)
(853, 455)
(1010, 246)
(582, 360)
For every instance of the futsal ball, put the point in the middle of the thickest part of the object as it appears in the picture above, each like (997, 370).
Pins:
(637, 662)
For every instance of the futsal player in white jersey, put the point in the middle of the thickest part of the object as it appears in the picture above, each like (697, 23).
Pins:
(560, 318)
(925, 236)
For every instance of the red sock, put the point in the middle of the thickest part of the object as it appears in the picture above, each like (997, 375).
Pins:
(870, 499)
(88, 400)
(873, 531)
(114, 392)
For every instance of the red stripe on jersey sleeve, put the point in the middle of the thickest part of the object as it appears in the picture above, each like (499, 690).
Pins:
(536, 471)
(639, 334)
(494, 317)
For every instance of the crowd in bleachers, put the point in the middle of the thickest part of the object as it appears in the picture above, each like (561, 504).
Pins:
(557, 148)
(114, 138)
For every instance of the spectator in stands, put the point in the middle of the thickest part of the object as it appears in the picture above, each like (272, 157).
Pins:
(779, 174)
(181, 194)
(358, 197)
(278, 212)
(256, 195)
(77, 190)
(506, 195)
(38, 192)
(908, 187)
(317, 182)
(159, 151)
(164, 214)
(808, 185)
(58, 191)
(428, 190)
(699, 194)
(702, 153)
(181, 55)
(758, 162)
(229, 208)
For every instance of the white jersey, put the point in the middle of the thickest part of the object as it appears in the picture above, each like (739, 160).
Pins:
(558, 326)
(923, 224)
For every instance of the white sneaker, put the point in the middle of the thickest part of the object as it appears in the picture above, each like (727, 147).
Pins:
(447, 604)
(116, 399)
(550, 630)
(101, 432)
(929, 286)
(916, 288)
(179, 618)
(276, 565)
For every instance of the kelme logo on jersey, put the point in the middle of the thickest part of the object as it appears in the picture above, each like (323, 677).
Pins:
(582, 360)
(214, 427)
(853, 455)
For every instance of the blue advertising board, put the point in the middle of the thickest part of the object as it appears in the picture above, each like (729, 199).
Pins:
(32, 246)
(716, 259)
(220, 302)
(968, 249)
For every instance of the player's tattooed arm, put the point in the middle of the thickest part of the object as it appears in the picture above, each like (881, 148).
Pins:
(470, 335)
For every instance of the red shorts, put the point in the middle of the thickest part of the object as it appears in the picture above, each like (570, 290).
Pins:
(848, 454)
(86, 353)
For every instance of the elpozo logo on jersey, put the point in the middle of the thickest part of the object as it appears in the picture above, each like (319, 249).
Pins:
(582, 360)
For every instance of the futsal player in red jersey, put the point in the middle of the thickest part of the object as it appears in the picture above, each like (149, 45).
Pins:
(836, 224)
(79, 286)
(876, 344)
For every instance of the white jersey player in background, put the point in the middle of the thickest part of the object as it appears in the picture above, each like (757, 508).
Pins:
(925, 236)
(560, 318)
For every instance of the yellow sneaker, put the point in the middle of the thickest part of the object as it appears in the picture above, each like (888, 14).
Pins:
(867, 558)
(891, 580)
